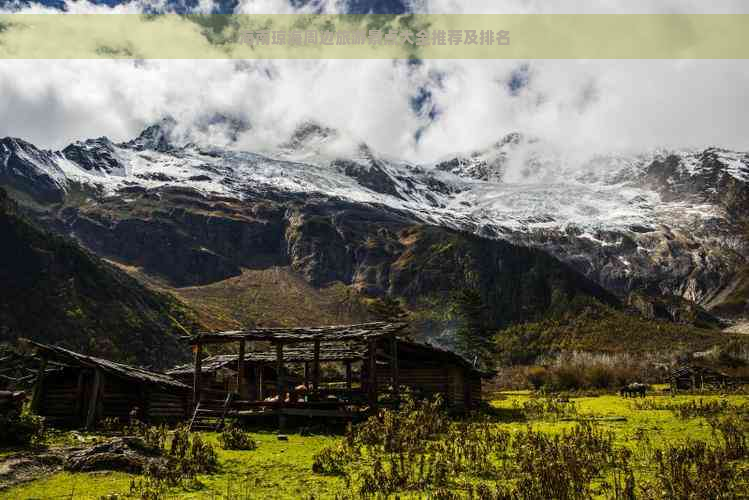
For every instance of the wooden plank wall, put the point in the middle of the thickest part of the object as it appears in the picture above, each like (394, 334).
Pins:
(162, 405)
(60, 396)
(118, 398)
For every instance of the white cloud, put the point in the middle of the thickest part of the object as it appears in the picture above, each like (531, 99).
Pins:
(582, 106)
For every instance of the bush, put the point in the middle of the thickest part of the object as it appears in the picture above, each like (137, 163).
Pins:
(567, 378)
(537, 377)
(234, 438)
(19, 429)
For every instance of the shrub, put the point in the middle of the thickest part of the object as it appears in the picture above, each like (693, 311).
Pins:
(18, 429)
(567, 378)
(537, 377)
(330, 460)
(601, 377)
(234, 438)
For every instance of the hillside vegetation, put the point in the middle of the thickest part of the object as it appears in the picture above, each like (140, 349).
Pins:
(588, 325)
(54, 291)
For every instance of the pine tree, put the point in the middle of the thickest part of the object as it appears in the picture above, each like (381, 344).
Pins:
(387, 309)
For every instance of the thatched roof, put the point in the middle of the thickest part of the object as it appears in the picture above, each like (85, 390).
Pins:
(120, 370)
(361, 332)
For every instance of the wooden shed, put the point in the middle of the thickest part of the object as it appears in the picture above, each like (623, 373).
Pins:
(220, 374)
(385, 363)
(88, 389)
(697, 377)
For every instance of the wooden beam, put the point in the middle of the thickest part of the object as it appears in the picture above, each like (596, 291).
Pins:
(198, 354)
(372, 392)
(394, 368)
(38, 386)
(93, 401)
(79, 395)
(259, 381)
(280, 386)
(240, 369)
(306, 374)
(316, 367)
(348, 375)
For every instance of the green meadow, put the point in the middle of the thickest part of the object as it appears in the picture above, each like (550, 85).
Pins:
(369, 462)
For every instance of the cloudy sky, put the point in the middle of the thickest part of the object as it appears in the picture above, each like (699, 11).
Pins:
(418, 111)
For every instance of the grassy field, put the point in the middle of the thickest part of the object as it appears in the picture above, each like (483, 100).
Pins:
(283, 469)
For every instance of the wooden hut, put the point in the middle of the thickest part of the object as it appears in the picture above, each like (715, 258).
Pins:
(220, 374)
(386, 364)
(88, 389)
(696, 377)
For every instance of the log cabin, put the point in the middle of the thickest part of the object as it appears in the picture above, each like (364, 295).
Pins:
(386, 364)
(87, 389)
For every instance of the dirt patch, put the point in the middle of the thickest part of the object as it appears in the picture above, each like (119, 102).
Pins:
(28, 466)
(125, 454)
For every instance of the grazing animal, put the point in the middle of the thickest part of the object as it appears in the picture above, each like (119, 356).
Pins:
(633, 390)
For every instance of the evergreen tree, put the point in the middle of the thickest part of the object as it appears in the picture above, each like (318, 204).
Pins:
(387, 309)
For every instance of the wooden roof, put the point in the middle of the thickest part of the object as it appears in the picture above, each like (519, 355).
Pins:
(120, 370)
(300, 353)
(361, 332)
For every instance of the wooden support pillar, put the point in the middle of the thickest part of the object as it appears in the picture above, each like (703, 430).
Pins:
(36, 398)
(79, 395)
(316, 367)
(93, 402)
(373, 390)
(240, 370)
(196, 388)
(348, 375)
(280, 386)
(259, 382)
(306, 374)
(394, 368)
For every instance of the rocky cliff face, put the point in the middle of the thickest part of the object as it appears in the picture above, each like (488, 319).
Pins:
(660, 223)
(191, 239)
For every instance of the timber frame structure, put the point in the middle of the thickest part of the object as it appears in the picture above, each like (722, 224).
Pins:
(85, 389)
(386, 362)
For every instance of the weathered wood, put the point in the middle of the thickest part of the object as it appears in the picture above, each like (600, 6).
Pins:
(39, 386)
(280, 386)
(259, 381)
(240, 369)
(372, 387)
(361, 332)
(197, 376)
(93, 401)
(306, 374)
(316, 367)
(348, 376)
(79, 394)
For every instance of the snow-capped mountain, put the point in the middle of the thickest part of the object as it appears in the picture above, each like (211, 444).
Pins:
(668, 221)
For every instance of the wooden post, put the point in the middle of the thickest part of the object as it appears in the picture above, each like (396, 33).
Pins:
(240, 370)
(280, 386)
(93, 401)
(316, 367)
(372, 353)
(394, 368)
(348, 375)
(198, 352)
(79, 395)
(259, 381)
(306, 374)
(38, 386)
